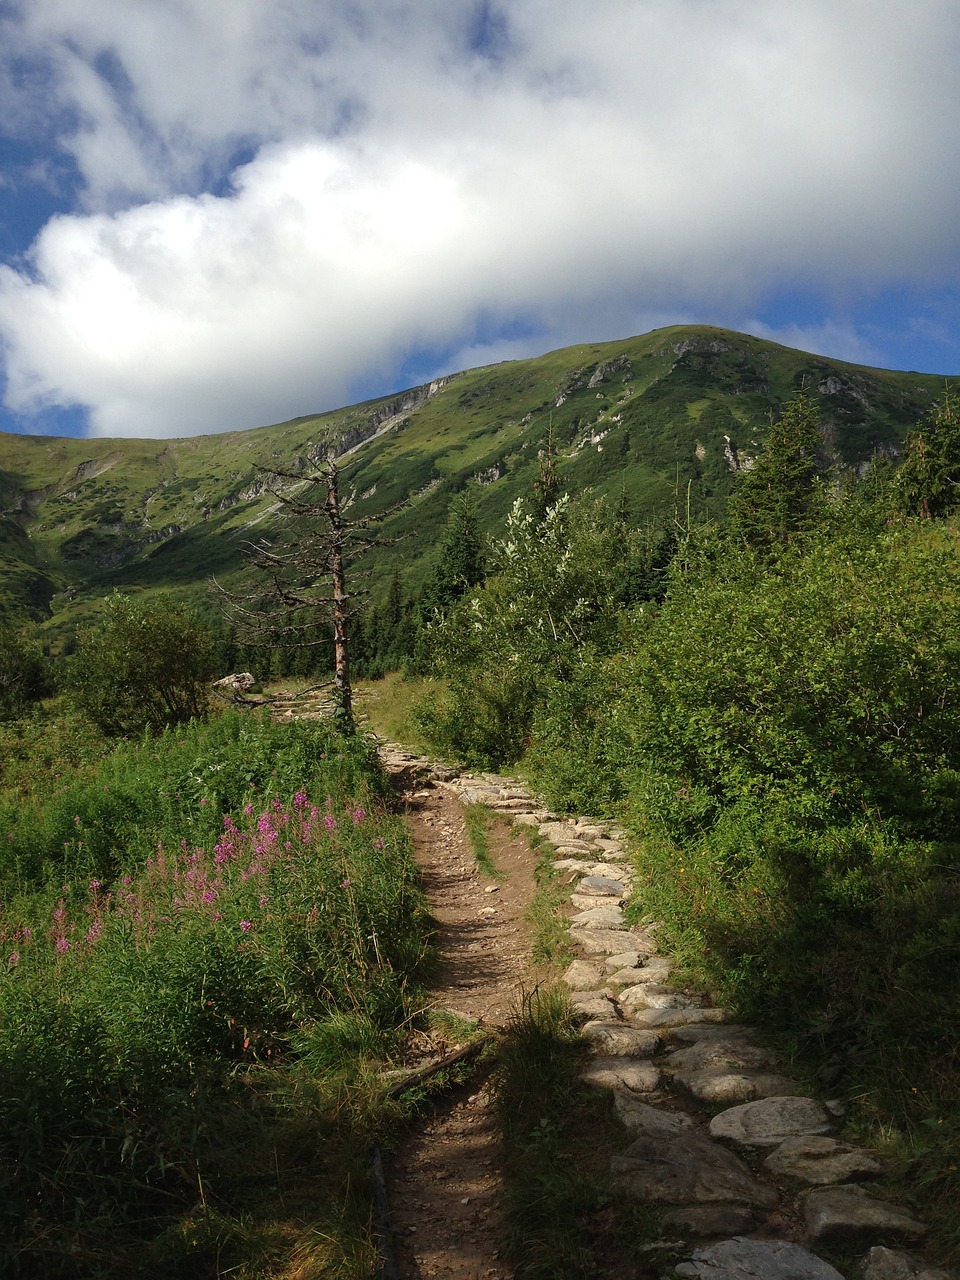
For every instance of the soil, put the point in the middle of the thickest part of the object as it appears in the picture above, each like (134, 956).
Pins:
(443, 1184)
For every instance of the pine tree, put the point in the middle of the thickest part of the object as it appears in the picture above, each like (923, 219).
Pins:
(777, 498)
(928, 479)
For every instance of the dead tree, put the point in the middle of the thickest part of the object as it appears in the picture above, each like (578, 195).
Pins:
(301, 596)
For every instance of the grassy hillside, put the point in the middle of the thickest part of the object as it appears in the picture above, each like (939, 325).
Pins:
(646, 417)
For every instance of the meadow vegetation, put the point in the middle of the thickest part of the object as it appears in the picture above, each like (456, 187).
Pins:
(210, 939)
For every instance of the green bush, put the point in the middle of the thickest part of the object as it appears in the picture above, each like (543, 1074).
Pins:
(145, 665)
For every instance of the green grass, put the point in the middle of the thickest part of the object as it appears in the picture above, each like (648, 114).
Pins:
(212, 944)
(477, 818)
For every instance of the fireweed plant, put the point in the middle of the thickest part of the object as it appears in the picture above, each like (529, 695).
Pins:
(235, 938)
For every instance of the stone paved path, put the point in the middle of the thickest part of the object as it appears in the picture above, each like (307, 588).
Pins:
(752, 1177)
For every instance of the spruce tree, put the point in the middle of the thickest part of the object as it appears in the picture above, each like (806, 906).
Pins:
(777, 498)
(928, 479)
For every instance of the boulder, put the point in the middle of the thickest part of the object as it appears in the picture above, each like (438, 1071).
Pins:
(740, 1259)
(887, 1264)
(846, 1218)
(646, 1121)
(688, 1169)
(726, 1052)
(769, 1121)
(730, 1087)
(614, 1040)
(622, 1073)
(821, 1161)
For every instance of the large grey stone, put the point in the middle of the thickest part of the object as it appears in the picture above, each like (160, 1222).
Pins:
(602, 887)
(592, 1004)
(655, 995)
(646, 1121)
(698, 1031)
(668, 1018)
(734, 1086)
(607, 942)
(847, 1218)
(688, 1169)
(622, 977)
(614, 1040)
(581, 975)
(888, 1264)
(577, 865)
(769, 1121)
(740, 1259)
(609, 869)
(599, 918)
(725, 1052)
(709, 1219)
(622, 1073)
(821, 1161)
(624, 960)
(584, 901)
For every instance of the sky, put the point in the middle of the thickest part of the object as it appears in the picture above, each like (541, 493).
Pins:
(218, 214)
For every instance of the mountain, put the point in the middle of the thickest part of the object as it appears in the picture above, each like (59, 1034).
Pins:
(674, 411)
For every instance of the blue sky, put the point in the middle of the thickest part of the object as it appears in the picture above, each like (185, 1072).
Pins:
(216, 214)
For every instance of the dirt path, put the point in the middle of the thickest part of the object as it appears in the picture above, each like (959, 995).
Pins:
(443, 1185)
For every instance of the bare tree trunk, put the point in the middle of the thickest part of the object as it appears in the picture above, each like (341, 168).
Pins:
(342, 691)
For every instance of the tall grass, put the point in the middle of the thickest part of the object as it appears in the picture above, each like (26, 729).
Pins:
(229, 899)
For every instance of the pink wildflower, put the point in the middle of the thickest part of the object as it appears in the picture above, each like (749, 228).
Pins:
(246, 926)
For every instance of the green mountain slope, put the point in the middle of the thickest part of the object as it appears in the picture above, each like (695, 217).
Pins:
(673, 410)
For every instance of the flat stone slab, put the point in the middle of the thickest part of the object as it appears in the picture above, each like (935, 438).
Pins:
(669, 1018)
(655, 995)
(592, 1004)
(647, 1121)
(821, 1161)
(688, 1169)
(607, 942)
(726, 1052)
(614, 1040)
(734, 1086)
(622, 977)
(586, 902)
(622, 1073)
(770, 1121)
(624, 960)
(599, 918)
(740, 1259)
(602, 886)
(609, 871)
(709, 1219)
(848, 1218)
(698, 1031)
(889, 1264)
(579, 865)
(581, 975)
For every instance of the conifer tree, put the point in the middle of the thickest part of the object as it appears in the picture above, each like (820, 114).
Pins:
(777, 498)
(928, 479)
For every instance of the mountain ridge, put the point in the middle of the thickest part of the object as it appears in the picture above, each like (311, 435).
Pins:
(639, 417)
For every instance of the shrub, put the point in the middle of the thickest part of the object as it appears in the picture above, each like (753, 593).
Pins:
(145, 665)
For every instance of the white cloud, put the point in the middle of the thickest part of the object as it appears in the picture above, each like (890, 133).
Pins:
(579, 168)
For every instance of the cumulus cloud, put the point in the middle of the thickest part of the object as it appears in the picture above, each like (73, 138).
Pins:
(286, 201)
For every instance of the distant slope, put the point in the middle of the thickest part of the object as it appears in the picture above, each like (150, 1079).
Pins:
(642, 417)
